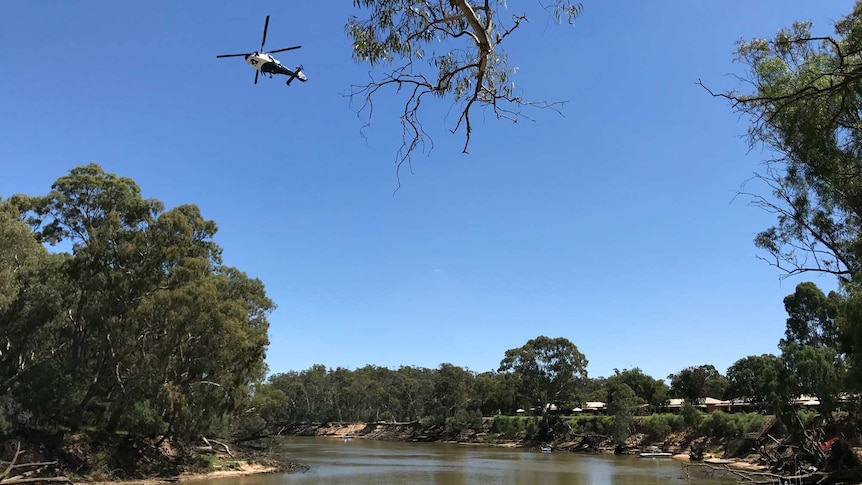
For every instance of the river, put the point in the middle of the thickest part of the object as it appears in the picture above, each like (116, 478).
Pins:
(365, 462)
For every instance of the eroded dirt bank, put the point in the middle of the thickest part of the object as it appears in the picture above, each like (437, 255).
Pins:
(102, 458)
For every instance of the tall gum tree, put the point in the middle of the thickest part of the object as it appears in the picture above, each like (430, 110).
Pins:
(153, 321)
(549, 371)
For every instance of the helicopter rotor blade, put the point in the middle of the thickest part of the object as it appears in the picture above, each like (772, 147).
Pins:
(235, 55)
(265, 26)
(255, 76)
(285, 49)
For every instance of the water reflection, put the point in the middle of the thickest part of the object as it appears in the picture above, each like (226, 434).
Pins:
(364, 462)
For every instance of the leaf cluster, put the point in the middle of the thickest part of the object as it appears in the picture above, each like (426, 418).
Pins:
(443, 48)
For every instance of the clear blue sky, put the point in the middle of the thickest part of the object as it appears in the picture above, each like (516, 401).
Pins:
(613, 226)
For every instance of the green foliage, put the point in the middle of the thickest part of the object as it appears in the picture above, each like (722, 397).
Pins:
(647, 389)
(691, 416)
(659, 426)
(817, 371)
(496, 393)
(549, 370)
(802, 97)
(453, 387)
(804, 105)
(141, 326)
(812, 317)
(851, 337)
(622, 404)
(510, 426)
(11, 415)
(695, 383)
(464, 420)
(591, 424)
(144, 419)
(531, 428)
(806, 417)
(723, 425)
(755, 378)
(49, 392)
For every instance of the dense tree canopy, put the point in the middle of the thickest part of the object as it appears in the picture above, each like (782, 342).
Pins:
(697, 382)
(754, 377)
(140, 326)
(812, 317)
(648, 389)
(448, 49)
(549, 370)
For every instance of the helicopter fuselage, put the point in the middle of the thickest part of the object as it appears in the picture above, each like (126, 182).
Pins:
(263, 62)
(267, 64)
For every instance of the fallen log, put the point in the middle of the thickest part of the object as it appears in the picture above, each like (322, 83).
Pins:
(22, 473)
(209, 447)
(757, 477)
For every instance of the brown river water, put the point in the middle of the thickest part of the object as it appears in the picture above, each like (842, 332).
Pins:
(362, 462)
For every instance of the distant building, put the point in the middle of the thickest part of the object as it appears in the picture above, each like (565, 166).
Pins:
(593, 407)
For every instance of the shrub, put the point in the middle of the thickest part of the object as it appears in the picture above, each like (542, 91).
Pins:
(531, 428)
(591, 424)
(144, 419)
(719, 425)
(464, 420)
(506, 425)
(659, 426)
(691, 416)
(806, 416)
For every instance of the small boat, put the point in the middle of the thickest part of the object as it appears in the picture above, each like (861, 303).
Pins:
(347, 436)
(654, 452)
(546, 449)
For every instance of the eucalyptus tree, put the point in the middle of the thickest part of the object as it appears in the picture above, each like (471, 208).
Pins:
(802, 97)
(650, 390)
(34, 389)
(622, 404)
(755, 378)
(697, 382)
(812, 317)
(450, 49)
(548, 370)
(813, 371)
(153, 321)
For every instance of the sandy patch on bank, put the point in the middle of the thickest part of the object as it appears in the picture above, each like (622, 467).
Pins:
(242, 470)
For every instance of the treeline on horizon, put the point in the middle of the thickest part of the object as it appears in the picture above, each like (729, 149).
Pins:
(142, 328)
(811, 361)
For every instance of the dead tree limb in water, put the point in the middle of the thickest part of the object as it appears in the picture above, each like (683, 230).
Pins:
(754, 477)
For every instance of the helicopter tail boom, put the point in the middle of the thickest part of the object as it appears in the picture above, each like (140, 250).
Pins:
(297, 74)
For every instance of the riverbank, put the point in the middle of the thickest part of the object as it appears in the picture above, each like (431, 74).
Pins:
(679, 443)
(414, 431)
(100, 458)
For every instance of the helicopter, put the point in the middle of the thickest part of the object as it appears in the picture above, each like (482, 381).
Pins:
(263, 62)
